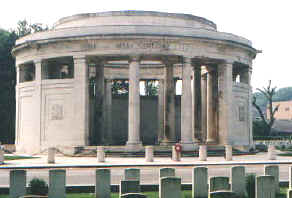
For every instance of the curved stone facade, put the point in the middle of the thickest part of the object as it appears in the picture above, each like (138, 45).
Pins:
(56, 105)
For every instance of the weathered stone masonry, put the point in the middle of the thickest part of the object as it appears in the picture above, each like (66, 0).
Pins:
(54, 68)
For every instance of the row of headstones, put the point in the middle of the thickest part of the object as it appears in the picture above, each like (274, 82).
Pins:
(169, 185)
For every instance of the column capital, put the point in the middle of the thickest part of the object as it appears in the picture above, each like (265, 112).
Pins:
(228, 62)
(37, 61)
(166, 61)
(210, 69)
(79, 57)
(108, 79)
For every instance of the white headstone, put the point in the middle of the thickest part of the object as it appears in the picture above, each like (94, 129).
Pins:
(103, 183)
(200, 182)
(166, 172)
(17, 185)
(127, 186)
(219, 183)
(132, 174)
(265, 187)
(170, 187)
(57, 184)
(238, 180)
(273, 170)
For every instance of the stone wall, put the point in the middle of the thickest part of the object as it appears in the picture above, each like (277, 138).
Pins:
(240, 109)
(149, 119)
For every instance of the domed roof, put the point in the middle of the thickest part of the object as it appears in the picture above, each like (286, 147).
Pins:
(146, 18)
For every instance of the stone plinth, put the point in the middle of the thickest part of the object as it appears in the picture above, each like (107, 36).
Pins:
(176, 156)
(271, 152)
(149, 154)
(51, 155)
(203, 153)
(100, 154)
(228, 152)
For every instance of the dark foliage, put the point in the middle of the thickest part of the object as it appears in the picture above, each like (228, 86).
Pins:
(38, 187)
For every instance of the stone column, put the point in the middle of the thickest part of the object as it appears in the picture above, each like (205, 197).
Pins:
(108, 111)
(169, 105)
(204, 107)
(160, 110)
(197, 104)
(225, 102)
(186, 107)
(37, 107)
(248, 79)
(211, 133)
(134, 143)
(99, 103)
(81, 98)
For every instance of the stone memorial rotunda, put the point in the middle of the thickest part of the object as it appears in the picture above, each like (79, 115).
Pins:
(65, 78)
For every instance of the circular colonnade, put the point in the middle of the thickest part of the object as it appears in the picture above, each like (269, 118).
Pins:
(57, 106)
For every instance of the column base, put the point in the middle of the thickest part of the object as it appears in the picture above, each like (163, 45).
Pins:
(167, 142)
(189, 146)
(134, 146)
(211, 141)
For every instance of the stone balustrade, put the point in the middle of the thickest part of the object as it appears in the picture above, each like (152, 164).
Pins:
(169, 184)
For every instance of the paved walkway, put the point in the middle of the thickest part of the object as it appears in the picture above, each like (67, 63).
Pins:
(87, 162)
(83, 172)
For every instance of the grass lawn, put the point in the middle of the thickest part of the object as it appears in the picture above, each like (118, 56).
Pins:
(186, 194)
(18, 157)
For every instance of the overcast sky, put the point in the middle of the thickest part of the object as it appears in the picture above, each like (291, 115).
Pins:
(266, 23)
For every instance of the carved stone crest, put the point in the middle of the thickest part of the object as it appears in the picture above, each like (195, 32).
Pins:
(56, 112)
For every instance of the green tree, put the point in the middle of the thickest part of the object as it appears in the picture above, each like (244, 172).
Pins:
(268, 92)
(8, 77)
(151, 88)
(120, 87)
(7, 86)
(24, 28)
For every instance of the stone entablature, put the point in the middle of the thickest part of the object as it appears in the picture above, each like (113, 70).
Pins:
(54, 69)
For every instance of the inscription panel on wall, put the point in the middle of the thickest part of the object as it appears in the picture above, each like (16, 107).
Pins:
(56, 109)
(56, 112)
(139, 44)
